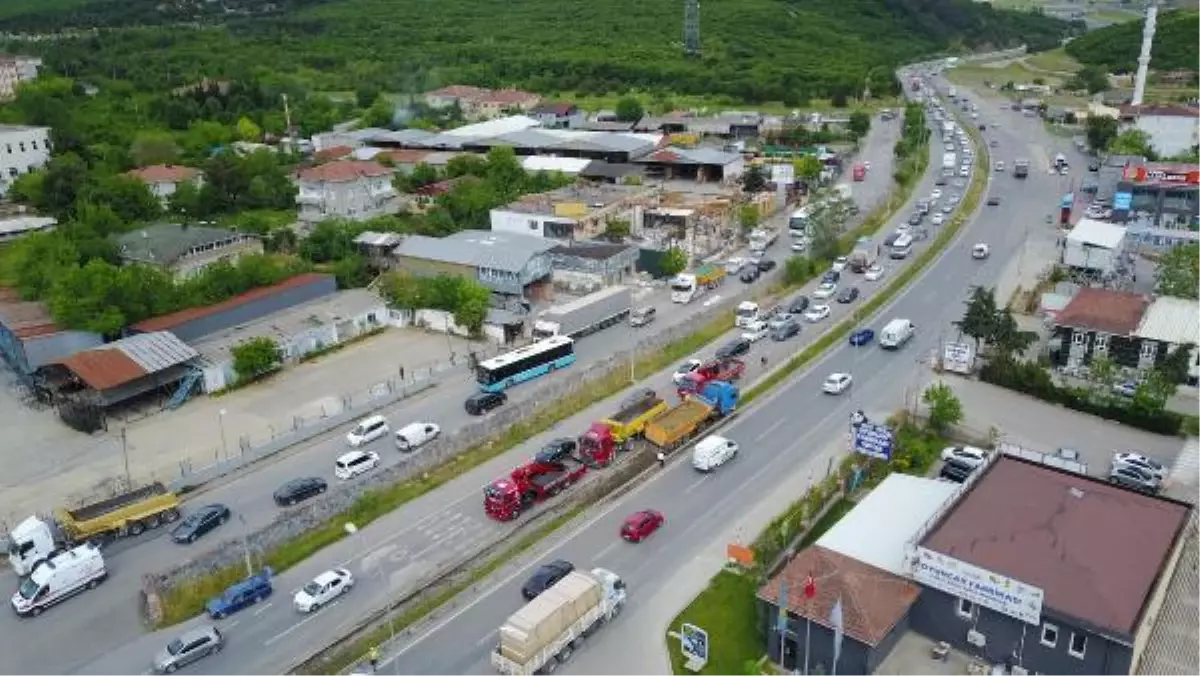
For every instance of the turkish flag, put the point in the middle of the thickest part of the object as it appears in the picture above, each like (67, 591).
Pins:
(810, 587)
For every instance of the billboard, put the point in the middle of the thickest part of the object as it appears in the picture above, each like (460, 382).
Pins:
(694, 645)
(961, 579)
(783, 174)
(1122, 201)
(872, 439)
(958, 357)
(1176, 175)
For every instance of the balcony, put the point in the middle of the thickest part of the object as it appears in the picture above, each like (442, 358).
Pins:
(310, 199)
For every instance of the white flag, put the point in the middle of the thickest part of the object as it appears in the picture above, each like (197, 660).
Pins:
(835, 618)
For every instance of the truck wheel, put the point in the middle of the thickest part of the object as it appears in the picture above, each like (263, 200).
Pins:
(37, 610)
(565, 654)
(93, 583)
(136, 528)
(170, 515)
(154, 521)
(550, 666)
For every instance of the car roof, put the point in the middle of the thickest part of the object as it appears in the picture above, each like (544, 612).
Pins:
(198, 632)
(327, 577)
(372, 419)
(350, 455)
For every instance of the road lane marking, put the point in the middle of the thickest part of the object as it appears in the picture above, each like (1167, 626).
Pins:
(261, 609)
(696, 484)
(770, 429)
(606, 550)
(311, 616)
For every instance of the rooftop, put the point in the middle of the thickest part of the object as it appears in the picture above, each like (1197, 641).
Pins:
(477, 248)
(594, 251)
(25, 318)
(589, 197)
(873, 600)
(692, 156)
(1096, 550)
(23, 224)
(877, 530)
(567, 165)
(1097, 233)
(343, 171)
(491, 128)
(1171, 320)
(124, 361)
(334, 153)
(1160, 111)
(1115, 312)
(167, 322)
(164, 173)
(165, 243)
(371, 238)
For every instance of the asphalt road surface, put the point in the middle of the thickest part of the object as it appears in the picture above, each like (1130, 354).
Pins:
(99, 624)
(396, 553)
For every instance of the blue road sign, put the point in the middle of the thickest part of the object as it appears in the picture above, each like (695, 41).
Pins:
(694, 642)
(874, 440)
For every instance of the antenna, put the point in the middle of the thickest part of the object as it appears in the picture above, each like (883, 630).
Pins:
(691, 27)
(1139, 83)
(287, 116)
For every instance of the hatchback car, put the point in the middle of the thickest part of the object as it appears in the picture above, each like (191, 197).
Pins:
(798, 305)
(734, 348)
(324, 589)
(242, 594)
(848, 295)
(350, 465)
(786, 330)
(299, 489)
(836, 383)
(1138, 461)
(199, 522)
(862, 337)
(545, 577)
(816, 313)
(639, 525)
(367, 430)
(482, 402)
(190, 646)
(980, 251)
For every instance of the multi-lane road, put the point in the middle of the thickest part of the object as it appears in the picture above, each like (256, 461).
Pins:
(104, 623)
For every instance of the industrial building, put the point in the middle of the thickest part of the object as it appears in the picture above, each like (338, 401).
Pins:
(704, 165)
(1096, 247)
(571, 213)
(585, 267)
(509, 264)
(29, 338)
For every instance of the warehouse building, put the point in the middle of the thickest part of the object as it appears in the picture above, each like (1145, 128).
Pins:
(511, 265)
(571, 213)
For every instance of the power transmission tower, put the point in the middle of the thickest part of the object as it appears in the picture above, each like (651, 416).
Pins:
(691, 27)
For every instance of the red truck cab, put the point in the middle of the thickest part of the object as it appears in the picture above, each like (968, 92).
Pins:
(728, 370)
(598, 446)
(860, 172)
(505, 498)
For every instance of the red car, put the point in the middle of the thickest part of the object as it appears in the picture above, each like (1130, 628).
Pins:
(639, 525)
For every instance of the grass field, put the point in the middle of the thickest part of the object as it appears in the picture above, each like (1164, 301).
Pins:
(726, 610)
(1056, 60)
(1114, 16)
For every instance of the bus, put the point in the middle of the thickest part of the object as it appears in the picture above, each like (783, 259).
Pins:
(798, 223)
(526, 363)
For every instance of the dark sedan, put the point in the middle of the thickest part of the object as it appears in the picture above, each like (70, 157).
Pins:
(766, 265)
(735, 348)
(798, 306)
(750, 274)
(848, 295)
(862, 337)
(555, 451)
(545, 577)
(786, 330)
(299, 489)
(199, 522)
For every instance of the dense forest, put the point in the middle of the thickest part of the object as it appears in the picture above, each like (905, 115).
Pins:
(1116, 47)
(753, 50)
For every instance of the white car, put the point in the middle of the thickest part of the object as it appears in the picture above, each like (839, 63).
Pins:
(874, 273)
(799, 245)
(825, 290)
(999, 166)
(367, 430)
(324, 589)
(937, 219)
(839, 264)
(836, 383)
(1138, 461)
(756, 331)
(351, 464)
(867, 165)
(687, 367)
(964, 172)
(733, 265)
(980, 252)
(968, 455)
(935, 195)
(816, 313)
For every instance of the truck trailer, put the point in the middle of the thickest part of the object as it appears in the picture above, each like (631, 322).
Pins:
(692, 415)
(949, 161)
(35, 539)
(687, 286)
(628, 423)
(506, 498)
(586, 315)
(864, 255)
(545, 632)
(1020, 168)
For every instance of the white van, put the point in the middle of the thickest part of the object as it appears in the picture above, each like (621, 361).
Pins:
(351, 464)
(61, 576)
(902, 247)
(712, 452)
(367, 430)
(896, 333)
(413, 435)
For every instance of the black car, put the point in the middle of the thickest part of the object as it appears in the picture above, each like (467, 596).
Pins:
(993, 201)
(482, 402)
(749, 274)
(299, 489)
(545, 577)
(940, 181)
(734, 348)
(199, 522)
(956, 471)
(556, 450)
(848, 295)
(766, 265)
(1094, 166)
(786, 330)
(891, 238)
(915, 219)
(798, 305)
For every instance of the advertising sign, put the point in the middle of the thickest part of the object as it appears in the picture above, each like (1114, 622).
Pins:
(958, 357)
(694, 645)
(1176, 175)
(961, 579)
(874, 440)
(1122, 201)
(783, 174)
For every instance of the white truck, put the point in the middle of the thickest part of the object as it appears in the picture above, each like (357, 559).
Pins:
(950, 161)
(746, 314)
(896, 334)
(61, 576)
(762, 238)
(948, 129)
(586, 315)
(546, 631)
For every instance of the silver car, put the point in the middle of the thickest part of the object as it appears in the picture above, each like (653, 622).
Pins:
(200, 642)
(1135, 479)
(1140, 462)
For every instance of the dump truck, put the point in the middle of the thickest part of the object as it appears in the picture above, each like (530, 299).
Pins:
(688, 286)
(545, 632)
(728, 370)
(35, 539)
(1020, 168)
(586, 315)
(504, 499)
(864, 255)
(626, 424)
(692, 415)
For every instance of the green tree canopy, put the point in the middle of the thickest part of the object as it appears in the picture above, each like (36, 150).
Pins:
(629, 109)
(1179, 271)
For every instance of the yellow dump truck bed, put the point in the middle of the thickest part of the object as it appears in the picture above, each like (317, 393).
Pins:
(677, 424)
(631, 421)
(149, 506)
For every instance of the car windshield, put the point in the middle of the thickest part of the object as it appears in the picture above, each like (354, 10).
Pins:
(28, 588)
(175, 646)
(191, 521)
(312, 589)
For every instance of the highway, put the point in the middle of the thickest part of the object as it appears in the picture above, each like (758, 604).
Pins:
(436, 528)
(776, 436)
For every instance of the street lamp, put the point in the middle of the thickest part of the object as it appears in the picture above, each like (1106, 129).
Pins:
(224, 441)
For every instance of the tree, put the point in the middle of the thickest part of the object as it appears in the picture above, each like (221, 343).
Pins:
(154, 147)
(185, 202)
(1132, 142)
(248, 131)
(1175, 366)
(748, 216)
(1092, 78)
(674, 262)
(381, 113)
(629, 109)
(1101, 130)
(1179, 272)
(798, 270)
(66, 176)
(945, 410)
(807, 167)
(1152, 394)
(1103, 376)
(754, 180)
(255, 358)
(616, 229)
(128, 197)
(366, 95)
(1007, 339)
(979, 320)
(29, 189)
(859, 124)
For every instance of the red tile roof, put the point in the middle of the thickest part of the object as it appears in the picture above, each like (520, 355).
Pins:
(334, 153)
(25, 319)
(1096, 550)
(1114, 312)
(164, 173)
(104, 369)
(873, 600)
(343, 171)
(168, 322)
(1160, 111)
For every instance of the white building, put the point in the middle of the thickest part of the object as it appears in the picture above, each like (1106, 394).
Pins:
(14, 70)
(1172, 129)
(1094, 245)
(1168, 324)
(349, 189)
(571, 213)
(22, 150)
(164, 179)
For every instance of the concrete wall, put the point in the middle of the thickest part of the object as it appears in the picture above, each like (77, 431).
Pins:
(41, 350)
(440, 321)
(503, 220)
(256, 309)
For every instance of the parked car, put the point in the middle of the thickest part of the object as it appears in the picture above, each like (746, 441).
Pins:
(190, 646)
(242, 594)
(1134, 479)
(1126, 389)
(734, 348)
(324, 589)
(848, 295)
(482, 402)
(199, 522)
(786, 330)
(1138, 461)
(297, 490)
(965, 454)
(955, 470)
(798, 305)
(862, 337)
(545, 577)
(640, 525)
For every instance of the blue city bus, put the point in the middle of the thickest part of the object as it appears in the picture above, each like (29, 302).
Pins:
(526, 363)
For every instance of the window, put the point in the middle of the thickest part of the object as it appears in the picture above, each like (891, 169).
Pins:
(14, 172)
(1149, 349)
(1078, 338)
(1078, 645)
(965, 608)
(533, 225)
(33, 144)
(22, 145)
(1101, 343)
(9, 147)
(1049, 635)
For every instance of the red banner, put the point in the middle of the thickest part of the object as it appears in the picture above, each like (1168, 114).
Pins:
(1180, 175)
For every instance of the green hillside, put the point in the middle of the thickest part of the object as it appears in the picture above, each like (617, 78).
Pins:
(1117, 47)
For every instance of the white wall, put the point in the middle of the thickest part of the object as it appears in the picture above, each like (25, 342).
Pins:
(22, 149)
(440, 321)
(358, 200)
(734, 170)
(1169, 134)
(520, 223)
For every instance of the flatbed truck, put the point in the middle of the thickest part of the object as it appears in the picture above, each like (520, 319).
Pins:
(687, 286)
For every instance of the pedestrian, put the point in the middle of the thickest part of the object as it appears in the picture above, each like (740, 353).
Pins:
(764, 361)
(401, 373)
(662, 459)
(373, 658)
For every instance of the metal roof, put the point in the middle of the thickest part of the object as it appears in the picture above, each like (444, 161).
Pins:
(371, 238)
(165, 243)
(522, 138)
(492, 128)
(567, 165)
(1097, 233)
(126, 360)
(477, 248)
(677, 155)
(1171, 320)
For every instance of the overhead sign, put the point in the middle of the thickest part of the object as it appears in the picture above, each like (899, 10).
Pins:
(958, 357)
(1181, 176)
(1122, 201)
(874, 440)
(694, 645)
(965, 581)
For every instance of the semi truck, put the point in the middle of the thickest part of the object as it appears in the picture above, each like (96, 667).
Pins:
(586, 315)
(762, 238)
(864, 255)
(504, 499)
(746, 314)
(727, 370)
(1020, 168)
(35, 539)
(687, 286)
(625, 425)
(949, 161)
(545, 632)
(692, 415)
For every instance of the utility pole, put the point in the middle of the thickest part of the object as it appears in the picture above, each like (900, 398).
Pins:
(125, 456)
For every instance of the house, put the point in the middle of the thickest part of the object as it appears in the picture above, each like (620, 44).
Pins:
(570, 213)
(164, 179)
(349, 189)
(1172, 129)
(1129, 329)
(377, 247)
(14, 70)
(480, 103)
(703, 165)
(184, 250)
(513, 265)
(22, 150)
(1168, 324)
(1096, 247)
(585, 267)
(17, 226)
(453, 95)
(559, 115)
(332, 153)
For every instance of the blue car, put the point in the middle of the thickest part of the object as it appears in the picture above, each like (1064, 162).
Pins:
(241, 595)
(862, 337)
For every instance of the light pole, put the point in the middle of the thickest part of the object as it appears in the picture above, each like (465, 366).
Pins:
(224, 441)
(352, 530)
(246, 545)
(125, 456)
